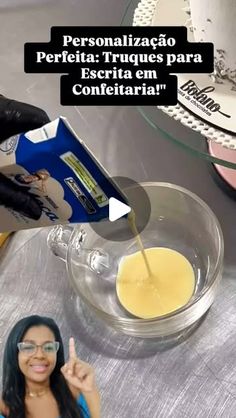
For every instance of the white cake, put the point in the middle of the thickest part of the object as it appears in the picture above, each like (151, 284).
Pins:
(215, 21)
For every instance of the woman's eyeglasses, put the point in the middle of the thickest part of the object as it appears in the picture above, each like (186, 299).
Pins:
(31, 348)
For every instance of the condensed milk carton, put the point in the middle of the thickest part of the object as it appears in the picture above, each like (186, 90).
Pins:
(48, 176)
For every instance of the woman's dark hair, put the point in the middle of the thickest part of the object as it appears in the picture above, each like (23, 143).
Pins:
(13, 394)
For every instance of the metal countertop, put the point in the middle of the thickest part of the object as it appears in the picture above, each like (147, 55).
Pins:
(194, 379)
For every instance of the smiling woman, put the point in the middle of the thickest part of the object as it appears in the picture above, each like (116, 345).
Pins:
(36, 380)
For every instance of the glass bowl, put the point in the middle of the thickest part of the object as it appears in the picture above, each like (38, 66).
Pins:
(179, 220)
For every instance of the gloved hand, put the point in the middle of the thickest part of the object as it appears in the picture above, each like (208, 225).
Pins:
(17, 117)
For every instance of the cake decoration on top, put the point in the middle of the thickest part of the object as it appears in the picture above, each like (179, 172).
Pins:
(214, 21)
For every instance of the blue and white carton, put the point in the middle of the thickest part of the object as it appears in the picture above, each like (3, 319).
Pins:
(48, 176)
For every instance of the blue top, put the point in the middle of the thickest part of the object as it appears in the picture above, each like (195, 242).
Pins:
(82, 403)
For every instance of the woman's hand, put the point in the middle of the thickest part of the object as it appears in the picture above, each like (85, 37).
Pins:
(78, 374)
(18, 117)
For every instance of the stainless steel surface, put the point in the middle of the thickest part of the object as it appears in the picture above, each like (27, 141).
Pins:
(194, 379)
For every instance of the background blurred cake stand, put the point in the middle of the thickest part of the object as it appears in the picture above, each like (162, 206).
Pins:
(203, 140)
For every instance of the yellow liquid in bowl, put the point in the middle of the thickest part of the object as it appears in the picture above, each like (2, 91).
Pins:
(169, 287)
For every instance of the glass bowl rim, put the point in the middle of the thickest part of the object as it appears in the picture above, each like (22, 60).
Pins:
(110, 318)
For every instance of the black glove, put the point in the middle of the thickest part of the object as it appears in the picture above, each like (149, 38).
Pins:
(19, 198)
(17, 117)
